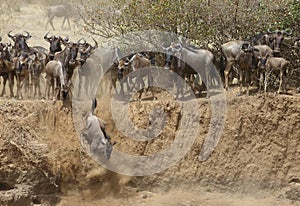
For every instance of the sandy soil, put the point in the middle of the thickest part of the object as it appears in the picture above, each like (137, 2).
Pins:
(42, 162)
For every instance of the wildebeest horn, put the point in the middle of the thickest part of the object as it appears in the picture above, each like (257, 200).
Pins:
(180, 39)
(9, 34)
(28, 35)
(80, 40)
(46, 35)
(270, 29)
(96, 43)
(179, 49)
(288, 31)
(164, 48)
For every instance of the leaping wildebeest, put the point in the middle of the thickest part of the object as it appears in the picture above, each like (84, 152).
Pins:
(63, 10)
(94, 135)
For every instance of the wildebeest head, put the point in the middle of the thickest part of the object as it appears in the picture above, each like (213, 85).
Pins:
(248, 48)
(37, 61)
(86, 49)
(73, 51)
(260, 39)
(5, 52)
(20, 41)
(297, 43)
(55, 43)
(277, 37)
(262, 60)
(171, 52)
(24, 59)
(122, 67)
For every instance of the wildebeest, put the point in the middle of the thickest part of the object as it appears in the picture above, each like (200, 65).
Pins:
(261, 56)
(138, 62)
(23, 73)
(3, 71)
(20, 42)
(191, 61)
(86, 49)
(277, 36)
(55, 44)
(278, 65)
(68, 58)
(94, 68)
(241, 54)
(273, 38)
(37, 67)
(94, 135)
(63, 10)
(54, 75)
(7, 68)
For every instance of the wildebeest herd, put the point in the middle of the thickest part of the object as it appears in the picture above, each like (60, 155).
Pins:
(25, 64)
(254, 59)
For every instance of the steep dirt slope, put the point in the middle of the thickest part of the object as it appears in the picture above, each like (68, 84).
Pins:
(257, 157)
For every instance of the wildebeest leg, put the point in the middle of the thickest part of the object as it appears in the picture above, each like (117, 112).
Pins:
(284, 80)
(26, 87)
(47, 89)
(55, 89)
(140, 82)
(247, 79)
(69, 23)
(11, 82)
(266, 81)
(240, 82)
(30, 80)
(21, 83)
(38, 86)
(62, 26)
(280, 81)
(49, 84)
(261, 80)
(226, 72)
(50, 19)
(150, 84)
(4, 84)
(208, 80)
(34, 88)
(18, 86)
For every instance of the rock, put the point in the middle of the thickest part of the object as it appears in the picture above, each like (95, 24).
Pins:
(146, 194)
